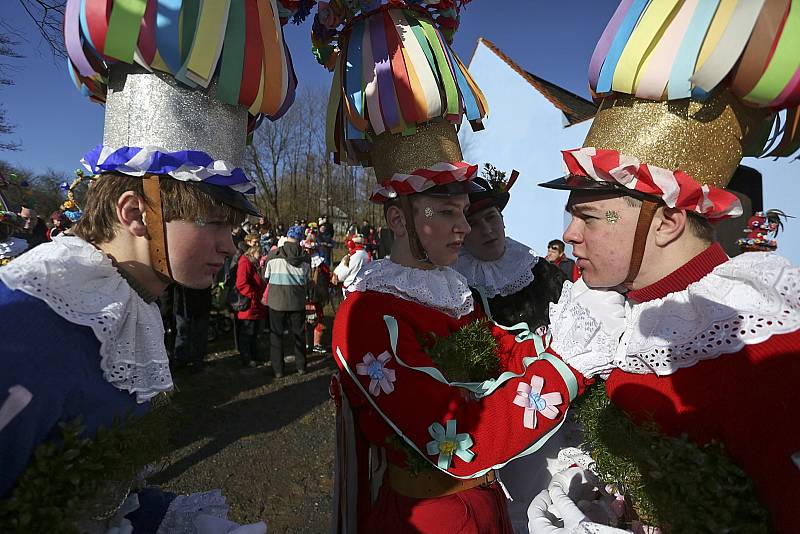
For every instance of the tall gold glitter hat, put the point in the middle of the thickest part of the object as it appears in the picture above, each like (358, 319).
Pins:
(687, 90)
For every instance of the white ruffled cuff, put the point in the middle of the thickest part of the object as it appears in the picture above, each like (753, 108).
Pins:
(579, 338)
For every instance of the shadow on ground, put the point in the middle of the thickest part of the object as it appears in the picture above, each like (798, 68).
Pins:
(267, 443)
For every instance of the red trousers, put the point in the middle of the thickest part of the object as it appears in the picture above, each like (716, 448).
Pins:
(475, 511)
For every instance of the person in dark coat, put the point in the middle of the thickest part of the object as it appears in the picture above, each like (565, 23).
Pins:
(519, 287)
(250, 320)
(557, 256)
(192, 311)
(518, 284)
(287, 272)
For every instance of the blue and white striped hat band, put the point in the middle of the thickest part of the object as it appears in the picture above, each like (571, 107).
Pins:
(184, 165)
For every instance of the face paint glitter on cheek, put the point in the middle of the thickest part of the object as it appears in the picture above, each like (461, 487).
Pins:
(612, 216)
(428, 212)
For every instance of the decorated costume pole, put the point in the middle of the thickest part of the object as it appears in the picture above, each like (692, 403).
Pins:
(759, 228)
(688, 88)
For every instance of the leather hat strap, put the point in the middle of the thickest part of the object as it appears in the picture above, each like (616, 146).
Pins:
(156, 226)
(646, 214)
(414, 243)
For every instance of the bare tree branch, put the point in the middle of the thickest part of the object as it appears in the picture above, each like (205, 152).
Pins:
(48, 16)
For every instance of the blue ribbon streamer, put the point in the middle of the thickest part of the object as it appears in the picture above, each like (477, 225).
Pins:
(679, 84)
(353, 79)
(618, 45)
(168, 15)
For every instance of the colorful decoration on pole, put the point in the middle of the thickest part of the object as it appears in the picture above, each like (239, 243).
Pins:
(759, 229)
(393, 71)
(70, 206)
(237, 45)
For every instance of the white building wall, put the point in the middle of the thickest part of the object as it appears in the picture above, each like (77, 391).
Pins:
(524, 131)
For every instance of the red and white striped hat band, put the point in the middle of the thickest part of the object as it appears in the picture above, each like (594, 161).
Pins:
(676, 188)
(423, 179)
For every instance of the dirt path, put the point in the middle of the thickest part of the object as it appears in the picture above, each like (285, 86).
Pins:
(268, 444)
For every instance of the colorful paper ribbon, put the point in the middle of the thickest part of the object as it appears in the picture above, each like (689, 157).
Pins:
(240, 41)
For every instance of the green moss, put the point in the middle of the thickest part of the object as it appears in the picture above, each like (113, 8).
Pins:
(467, 355)
(670, 482)
(68, 479)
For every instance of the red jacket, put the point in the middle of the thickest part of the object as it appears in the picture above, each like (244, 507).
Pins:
(748, 400)
(494, 423)
(250, 284)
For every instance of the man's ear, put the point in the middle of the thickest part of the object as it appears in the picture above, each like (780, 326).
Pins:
(396, 220)
(130, 213)
(669, 225)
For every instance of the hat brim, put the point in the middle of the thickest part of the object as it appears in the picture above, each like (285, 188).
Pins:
(582, 183)
(228, 196)
(463, 187)
(494, 201)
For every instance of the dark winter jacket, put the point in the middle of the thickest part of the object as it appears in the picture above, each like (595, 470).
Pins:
(287, 271)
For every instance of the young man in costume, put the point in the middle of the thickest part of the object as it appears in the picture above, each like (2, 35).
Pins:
(82, 335)
(519, 287)
(518, 284)
(704, 345)
(419, 434)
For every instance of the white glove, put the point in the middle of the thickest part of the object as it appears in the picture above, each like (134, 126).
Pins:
(554, 511)
(604, 305)
(549, 516)
(586, 491)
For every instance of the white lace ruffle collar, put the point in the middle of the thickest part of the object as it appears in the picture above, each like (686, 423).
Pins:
(503, 276)
(442, 288)
(79, 283)
(743, 301)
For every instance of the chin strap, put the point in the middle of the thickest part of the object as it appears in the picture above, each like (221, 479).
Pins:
(646, 214)
(417, 250)
(156, 226)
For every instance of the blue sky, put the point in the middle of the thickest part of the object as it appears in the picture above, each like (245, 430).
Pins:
(553, 39)
(56, 125)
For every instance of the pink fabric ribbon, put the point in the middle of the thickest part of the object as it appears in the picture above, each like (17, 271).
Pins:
(531, 398)
(381, 377)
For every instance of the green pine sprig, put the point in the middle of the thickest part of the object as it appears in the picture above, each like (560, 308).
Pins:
(467, 355)
(71, 478)
(670, 482)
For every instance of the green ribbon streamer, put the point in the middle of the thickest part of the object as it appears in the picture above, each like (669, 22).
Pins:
(487, 387)
(232, 64)
(785, 61)
(419, 33)
(123, 29)
(448, 80)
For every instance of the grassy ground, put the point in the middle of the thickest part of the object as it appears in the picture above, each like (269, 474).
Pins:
(267, 443)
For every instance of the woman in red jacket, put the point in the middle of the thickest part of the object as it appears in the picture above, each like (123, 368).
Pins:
(250, 320)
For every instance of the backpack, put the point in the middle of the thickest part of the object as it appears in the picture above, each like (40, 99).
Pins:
(236, 301)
